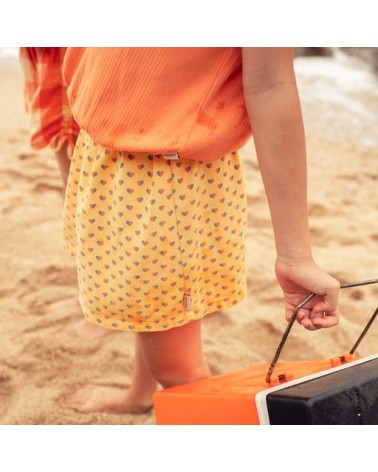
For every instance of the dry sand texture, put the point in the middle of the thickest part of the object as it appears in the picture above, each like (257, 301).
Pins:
(43, 361)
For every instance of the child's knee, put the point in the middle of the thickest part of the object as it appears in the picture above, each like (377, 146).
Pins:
(175, 356)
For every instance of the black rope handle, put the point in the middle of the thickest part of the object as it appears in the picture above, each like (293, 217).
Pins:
(362, 335)
(294, 317)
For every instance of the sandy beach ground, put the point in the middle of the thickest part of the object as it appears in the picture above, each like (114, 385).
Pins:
(43, 361)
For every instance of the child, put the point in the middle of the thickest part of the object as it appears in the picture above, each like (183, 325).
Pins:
(155, 209)
(52, 123)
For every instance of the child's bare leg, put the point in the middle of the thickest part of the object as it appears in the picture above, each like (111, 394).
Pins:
(143, 384)
(136, 399)
(175, 356)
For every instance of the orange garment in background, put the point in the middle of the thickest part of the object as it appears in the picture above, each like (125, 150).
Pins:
(160, 100)
(52, 123)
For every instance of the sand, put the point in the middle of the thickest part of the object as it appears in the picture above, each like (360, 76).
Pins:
(43, 360)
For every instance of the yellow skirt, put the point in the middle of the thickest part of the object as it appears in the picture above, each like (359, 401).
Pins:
(158, 243)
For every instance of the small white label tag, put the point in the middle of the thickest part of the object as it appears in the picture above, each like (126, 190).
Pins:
(187, 301)
(172, 156)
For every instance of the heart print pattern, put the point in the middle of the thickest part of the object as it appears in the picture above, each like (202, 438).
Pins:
(146, 231)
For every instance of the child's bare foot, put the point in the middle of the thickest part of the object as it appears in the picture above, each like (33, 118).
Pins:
(83, 328)
(110, 400)
(136, 399)
(89, 330)
(71, 303)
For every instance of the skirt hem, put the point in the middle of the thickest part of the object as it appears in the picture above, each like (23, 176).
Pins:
(126, 326)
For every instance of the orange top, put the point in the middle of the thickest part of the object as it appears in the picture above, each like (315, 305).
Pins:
(160, 100)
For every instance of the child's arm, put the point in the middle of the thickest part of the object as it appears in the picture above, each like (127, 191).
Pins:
(273, 106)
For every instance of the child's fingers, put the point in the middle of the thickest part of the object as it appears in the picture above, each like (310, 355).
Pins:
(321, 312)
(308, 324)
(328, 302)
(328, 320)
(312, 320)
(301, 315)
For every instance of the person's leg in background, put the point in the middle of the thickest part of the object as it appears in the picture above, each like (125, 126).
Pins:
(52, 126)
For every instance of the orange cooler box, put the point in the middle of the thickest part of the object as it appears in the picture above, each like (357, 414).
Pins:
(343, 390)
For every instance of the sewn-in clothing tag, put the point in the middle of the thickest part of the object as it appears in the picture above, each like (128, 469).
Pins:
(172, 156)
(187, 301)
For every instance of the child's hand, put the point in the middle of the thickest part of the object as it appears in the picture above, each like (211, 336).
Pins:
(297, 280)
